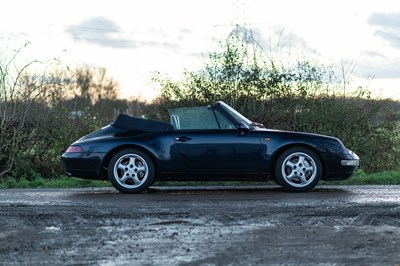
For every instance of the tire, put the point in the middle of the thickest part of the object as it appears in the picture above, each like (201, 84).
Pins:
(298, 169)
(131, 171)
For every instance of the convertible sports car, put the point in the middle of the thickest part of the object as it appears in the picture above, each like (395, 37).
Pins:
(206, 143)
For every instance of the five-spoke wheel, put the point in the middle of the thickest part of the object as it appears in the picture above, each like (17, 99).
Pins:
(131, 171)
(298, 169)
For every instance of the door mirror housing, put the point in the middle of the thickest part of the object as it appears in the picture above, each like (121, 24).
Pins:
(243, 129)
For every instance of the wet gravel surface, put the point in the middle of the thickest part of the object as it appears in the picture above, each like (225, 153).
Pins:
(337, 225)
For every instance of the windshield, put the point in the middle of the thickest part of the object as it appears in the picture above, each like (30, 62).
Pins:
(193, 118)
(235, 114)
(208, 117)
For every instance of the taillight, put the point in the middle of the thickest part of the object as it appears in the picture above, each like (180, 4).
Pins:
(74, 149)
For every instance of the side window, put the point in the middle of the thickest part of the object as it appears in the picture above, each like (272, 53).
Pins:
(223, 121)
(193, 118)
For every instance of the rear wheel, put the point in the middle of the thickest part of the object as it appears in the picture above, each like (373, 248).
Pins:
(131, 171)
(298, 169)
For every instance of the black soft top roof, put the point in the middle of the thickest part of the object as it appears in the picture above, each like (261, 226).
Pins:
(138, 124)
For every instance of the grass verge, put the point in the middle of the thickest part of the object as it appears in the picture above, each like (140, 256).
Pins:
(361, 178)
(59, 182)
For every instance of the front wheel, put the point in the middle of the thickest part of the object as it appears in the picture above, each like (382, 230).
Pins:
(131, 171)
(298, 169)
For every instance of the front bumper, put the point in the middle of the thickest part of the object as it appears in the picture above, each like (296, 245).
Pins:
(344, 168)
(353, 160)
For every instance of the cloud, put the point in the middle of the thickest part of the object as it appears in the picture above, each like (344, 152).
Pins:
(382, 63)
(275, 38)
(100, 31)
(105, 32)
(289, 39)
(378, 69)
(375, 54)
(388, 20)
(388, 27)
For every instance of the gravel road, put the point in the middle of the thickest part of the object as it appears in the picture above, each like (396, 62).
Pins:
(335, 225)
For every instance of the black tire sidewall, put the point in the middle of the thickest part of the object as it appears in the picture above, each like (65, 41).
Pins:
(145, 185)
(282, 181)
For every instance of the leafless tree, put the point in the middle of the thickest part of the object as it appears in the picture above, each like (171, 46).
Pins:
(21, 95)
(94, 84)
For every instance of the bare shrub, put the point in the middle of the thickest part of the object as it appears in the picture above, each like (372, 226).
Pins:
(24, 104)
(306, 96)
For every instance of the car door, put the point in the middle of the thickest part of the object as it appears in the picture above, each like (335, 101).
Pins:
(219, 150)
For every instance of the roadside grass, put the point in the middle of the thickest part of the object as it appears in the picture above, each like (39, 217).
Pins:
(361, 178)
(59, 182)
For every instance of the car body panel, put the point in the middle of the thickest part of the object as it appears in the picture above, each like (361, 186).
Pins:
(218, 150)
(237, 149)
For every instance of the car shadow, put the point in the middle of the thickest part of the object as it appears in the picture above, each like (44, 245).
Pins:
(172, 193)
(239, 189)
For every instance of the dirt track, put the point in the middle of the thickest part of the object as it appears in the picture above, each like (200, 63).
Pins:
(201, 226)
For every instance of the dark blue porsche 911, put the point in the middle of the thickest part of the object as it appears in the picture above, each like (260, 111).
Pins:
(206, 143)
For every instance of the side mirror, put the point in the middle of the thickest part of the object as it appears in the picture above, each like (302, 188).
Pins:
(243, 129)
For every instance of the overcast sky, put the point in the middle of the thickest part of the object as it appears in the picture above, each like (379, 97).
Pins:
(134, 38)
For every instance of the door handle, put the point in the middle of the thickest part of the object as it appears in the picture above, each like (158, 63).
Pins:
(183, 139)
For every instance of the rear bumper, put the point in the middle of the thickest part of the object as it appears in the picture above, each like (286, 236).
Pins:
(83, 165)
(84, 174)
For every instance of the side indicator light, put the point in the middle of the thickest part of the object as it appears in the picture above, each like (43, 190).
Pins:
(267, 139)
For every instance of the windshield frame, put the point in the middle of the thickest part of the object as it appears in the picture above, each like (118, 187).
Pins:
(233, 114)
